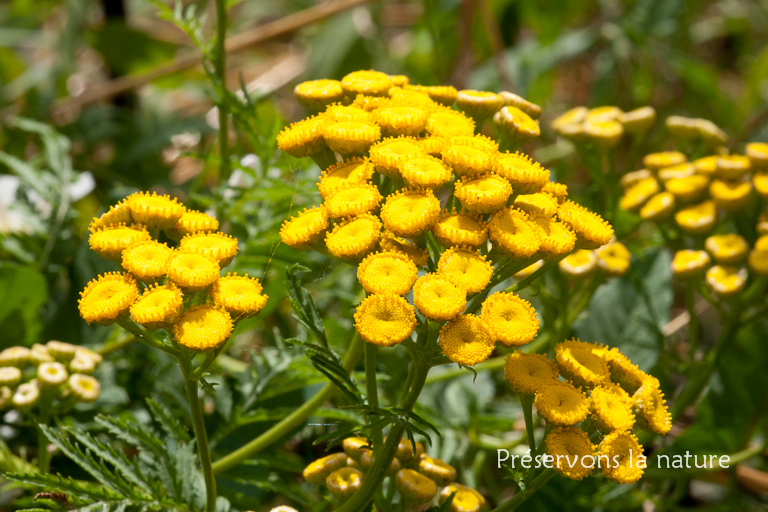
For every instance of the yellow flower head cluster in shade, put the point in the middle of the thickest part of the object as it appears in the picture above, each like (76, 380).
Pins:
(727, 249)
(107, 297)
(637, 195)
(610, 407)
(512, 233)
(354, 238)
(729, 195)
(241, 296)
(305, 229)
(465, 268)
(578, 363)
(410, 212)
(203, 328)
(317, 94)
(525, 175)
(479, 104)
(193, 222)
(192, 271)
(353, 171)
(385, 319)
(467, 340)
(698, 219)
(539, 203)
(623, 452)
(561, 403)
(160, 212)
(354, 199)
(465, 499)
(437, 298)
(569, 446)
(147, 260)
(158, 306)
(726, 280)
(425, 171)
(390, 153)
(658, 207)
(460, 228)
(304, 138)
(512, 320)
(485, 193)
(527, 373)
(387, 272)
(688, 263)
(389, 242)
(517, 123)
(614, 259)
(110, 241)
(592, 231)
(578, 264)
(650, 406)
(732, 167)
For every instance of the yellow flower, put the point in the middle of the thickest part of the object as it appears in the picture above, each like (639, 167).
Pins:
(636, 195)
(436, 470)
(513, 234)
(466, 340)
(305, 229)
(158, 307)
(411, 98)
(354, 447)
(385, 319)
(656, 161)
(733, 167)
(623, 372)
(396, 121)
(659, 207)
(556, 237)
(592, 231)
(758, 258)
(559, 190)
(217, 246)
(561, 403)
(465, 499)
(605, 113)
(443, 94)
(15, 356)
(651, 408)
(316, 472)
(632, 178)
(464, 228)
(564, 123)
(512, 320)
(682, 127)
(730, 196)
(10, 376)
(577, 362)
(415, 488)
(387, 272)
(758, 154)
(760, 182)
(366, 459)
(410, 212)
(336, 177)
(340, 113)
(610, 408)
(578, 264)
(370, 82)
(433, 146)
(316, 94)
(354, 238)
(762, 224)
(710, 132)
(399, 80)
(467, 160)
(147, 260)
(110, 241)
(728, 249)
(445, 122)
(697, 219)
(344, 482)
(354, 199)
(465, 268)
(370, 103)
(605, 133)
(26, 395)
(425, 171)
(390, 242)
(191, 271)
(117, 214)
(726, 280)
(388, 154)
(479, 104)
(62, 352)
(405, 451)
(437, 298)
(85, 361)
(527, 373)
(688, 263)
(107, 297)
(478, 141)
(623, 452)
(525, 175)
(351, 137)
(638, 120)
(684, 170)
(303, 138)
(539, 203)
(517, 123)
(240, 295)
(570, 446)
(706, 166)
(614, 259)
(192, 222)
(483, 193)
(159, 212)
(513, 100)
(688, 189)
(203, 328)
(84, 388)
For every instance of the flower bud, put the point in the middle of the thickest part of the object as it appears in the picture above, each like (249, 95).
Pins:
(344, 483)
(5, 397)
(710, 132)
(366, 459)
(14, 356)
(436, 469)
(39, 354)
(317, 471)
(62, 352)
(52, 374)
(682, 127)
(578, 264)
(513, 100)
(414, 487)
(638, 120)
(26, 395)
(465, 499)
(84, 387)
(85, 361)
(9, 376)
(405, 450)
(355, 446)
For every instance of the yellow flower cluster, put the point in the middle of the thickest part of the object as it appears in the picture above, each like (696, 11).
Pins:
(604, 126)
(177, 287)
(60, 375)
(604, 395)
(417, 475)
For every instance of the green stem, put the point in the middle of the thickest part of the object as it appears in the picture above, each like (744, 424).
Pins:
(370, 383)
(43, 457)
(221, 72)
(693, 321)
(526, 401)
(519, 498)
(108, 348)
(146, 337)
(294, 419)
(523, 283)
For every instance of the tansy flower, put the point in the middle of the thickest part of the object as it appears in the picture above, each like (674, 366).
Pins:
(405, 450)
(467, 160)
(614, 259)
(726, 280)
(638, 120)
(39, 354)
(366, 459)
(351, 137)
(341, 113)
(52, 375)
(730, 196)
(631, 178)
(636, 196)
(26, 395)
(433, 146)
(478, 141)
(679, 171)
(203, 328)
(513, 100)
(710, 132)
(62, 352)
(706, 166)
(445, 122)
(561, 403)
(119, 213)
(396, 121)
(758, 258)
(107, 297)
(538, 203)
(10, 376)
(683, 128)
(84, 387)
(336, 177)
(659, 207)
(623, 453)
(592, 231)
(370, 103)
(688, 189)
(697, 219)
(465, 268)
(305, 229)
(484, 193)
(578, 264)
(156, 211)
(479, 104)
(577, 362)
(656, 161)
(525, 175)
(354, 238)
(388, 154)
(762, 224)
(650, 407)
(610, 408)
(688, 263)
(733, 167)
(465, 499)
(410, 212)
(15, 356)
(728, 249)
(517, 122)
(559, 190)
(604, 113)
(192, 271)
(415, 488)
(438, 298)
(110, 241)
(370, 82)
(192, 222)
(354, 447)
(425, 171)
(316, 472)
(513, 234)
(399, 80)
(569, 118)
(466, 340)
(437, 470)
(354, 199)
(390, 242)
(387, 272)
(556, 238)
(760, 182)
(443, 94)
(146, 260)
(464, 228)
(159, 306)
(217, 246)
(757, 152)
(344, 482)
(512, 320)
(623, 372)
(240, 295)
(527, 373)
(85, 361)
(303, 138)
(385, 319)
(605, 133)
(316, 94)
(411, 98)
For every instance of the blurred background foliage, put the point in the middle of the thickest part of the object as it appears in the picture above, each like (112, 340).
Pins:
(69, 148)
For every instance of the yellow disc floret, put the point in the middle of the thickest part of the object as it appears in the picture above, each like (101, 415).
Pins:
(192, 271)
(438, 298)
(336, 177)
(651, 408)
(241, 296)
(479, 104)
(370, 82)
(203, 328)
(730, 196)
(446, 122)
(464, 228)
(697, 219)
(512, 233)
(623, 464)
(387, 272)
(726, 280)
(727, 249)
(193, 222)
(484, 193)
(351, 137)
(410, 212)
(467, 160)
(156, 211)
(109, 242)
(354, 238)
(107, 297)
(217, 246)
(159, 306)
(556, 238)
(610, 408)
(465, 268)
(561, 403)
(385, 319)
(305, 229)
(512, 319)
(354, 199)
(316, 94)
(577, 362)
(425, 171)
(659, 207)
(592, 231)
(466, 340)
(396, 121)
(525, 175)
(689, 263)
(304, 138)
(527, 373)
(147, 260)
(390, 153)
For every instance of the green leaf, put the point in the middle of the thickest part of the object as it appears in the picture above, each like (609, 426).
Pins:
(23, 291)
(59, 483)
(167, 422)
(304, 305)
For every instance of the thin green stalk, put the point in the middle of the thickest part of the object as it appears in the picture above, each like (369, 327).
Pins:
(116, 345)
(523, 283)
(370, 383)
(294, 419)
(526, 401)
(530, 489)
(221, 72)
(146, 337)
(43, 457)
(693, 321)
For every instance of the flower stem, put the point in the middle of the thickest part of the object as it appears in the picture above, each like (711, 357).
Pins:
(526, 401)
(519, 498)
(221, 72)
(693, 321)
(370, 383)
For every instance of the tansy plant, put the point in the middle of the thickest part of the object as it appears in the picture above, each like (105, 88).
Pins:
(437, 220)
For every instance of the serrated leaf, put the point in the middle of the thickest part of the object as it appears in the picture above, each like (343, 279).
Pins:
(302, 302)
(65, 485)
(167, 421)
